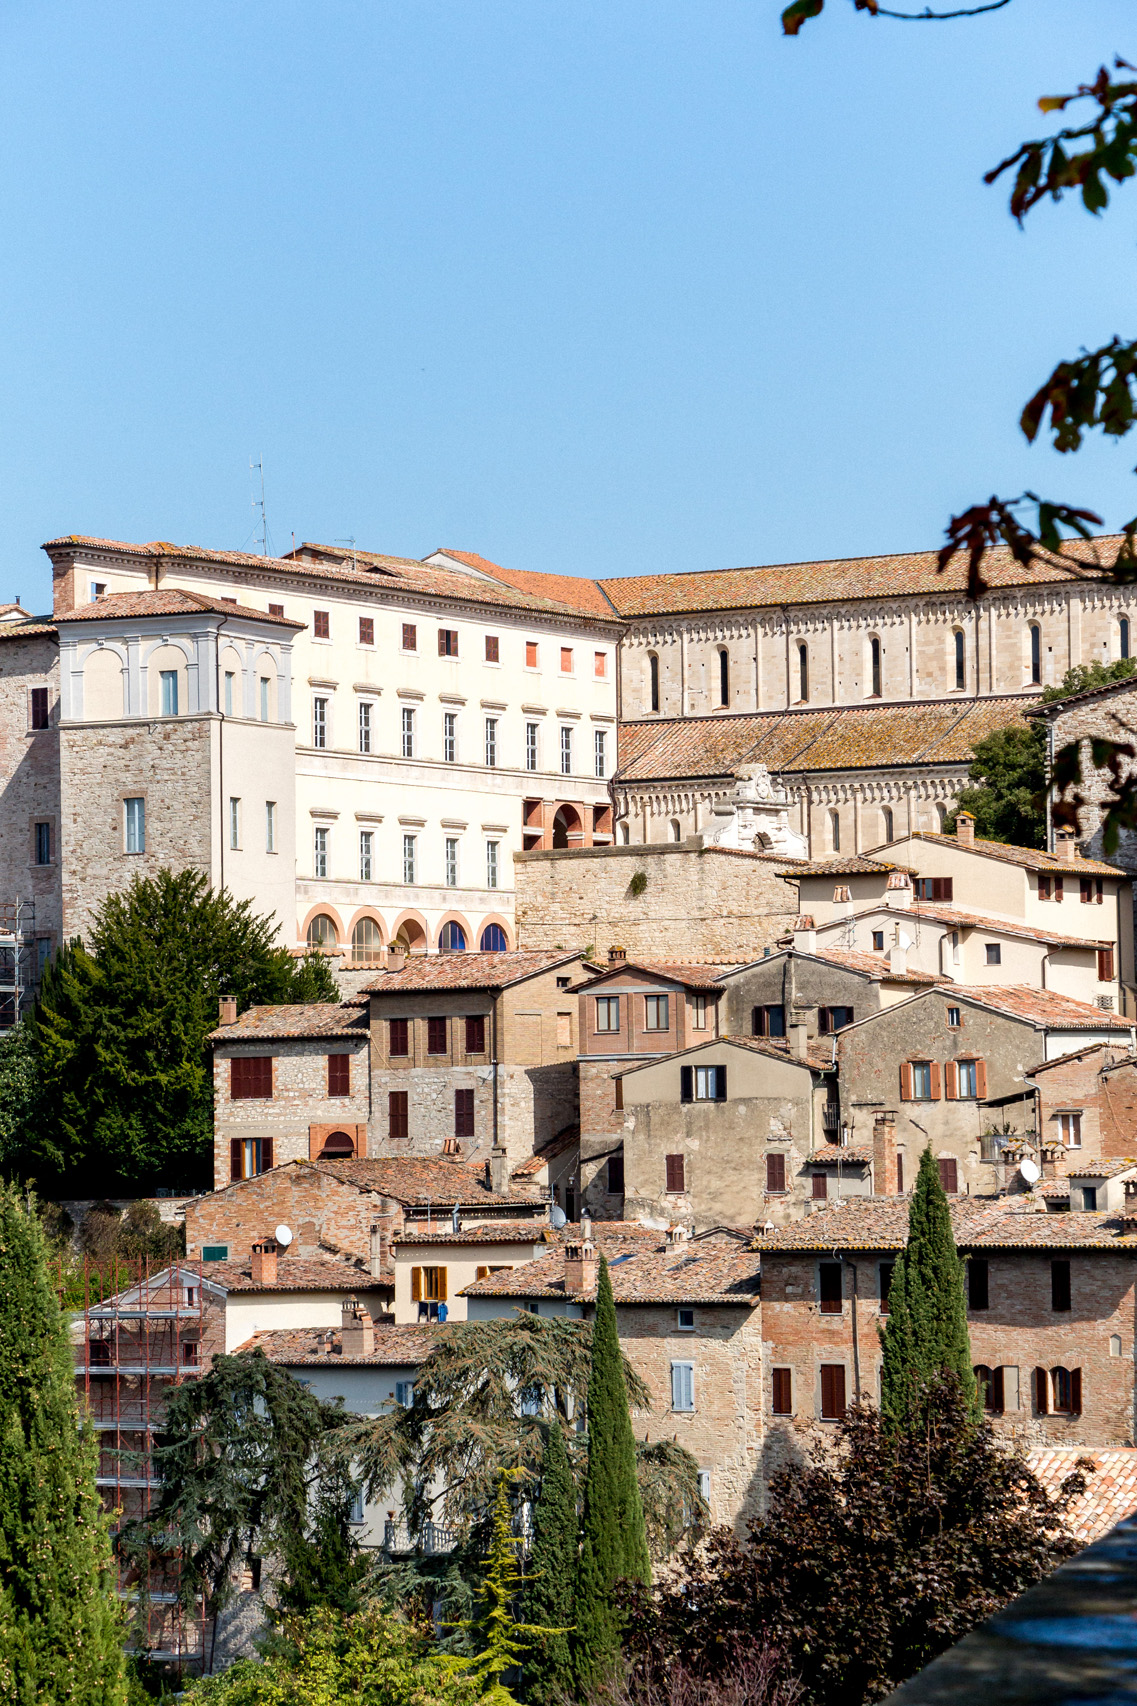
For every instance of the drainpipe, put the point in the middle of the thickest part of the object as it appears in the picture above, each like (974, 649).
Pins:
(852, 1267)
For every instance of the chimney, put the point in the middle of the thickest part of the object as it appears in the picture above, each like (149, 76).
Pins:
(805, 934)
(496, 1165)
(884, 1153)
(965, 829)
(380, 1247)
(357, 1333)
(264, 1262)
(1065, 845)
(898, 891)
(799, 1038)
(842, 895)
(580, 1260)
(227, 1010)
(617, 956)
(396, 958)
(676, 1235)
(897, 954)
(451, 1146)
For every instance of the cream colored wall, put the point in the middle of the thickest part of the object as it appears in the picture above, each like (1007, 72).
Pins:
(461, 1262)
(249, 1312)
(255, 763)
(104, 690)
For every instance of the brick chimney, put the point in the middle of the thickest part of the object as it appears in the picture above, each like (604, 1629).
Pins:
(965, 829)
(805, 934)
(884, 1153)
(617, 956)
(357, 1332)
(1066, 844)
(227, 1010)
(264, 1262)
(898, 891)
(396, 959)
(380, 1247)
(580, 1260)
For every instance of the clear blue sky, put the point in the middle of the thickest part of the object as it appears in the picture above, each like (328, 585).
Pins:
(590, 287)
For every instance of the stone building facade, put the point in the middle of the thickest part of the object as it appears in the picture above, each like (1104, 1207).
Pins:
(1087, 1105)
(31, 907)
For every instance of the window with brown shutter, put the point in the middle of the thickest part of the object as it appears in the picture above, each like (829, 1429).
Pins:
(250, 1078)
(906, 1081)
(1058, 886)
(321, 625)
(339, 1075)
(1044, 885)
(832, 1392)
(989, 1385)
(434, 1285)
(673, 1166)
(1075, 1391)
(235, 1159)
(276, 610)
(948, 1170)
(830, 1287)
(39, 708)
(416, 1285)
(463, 1113)
(900, 1175)
(410, 636)
(448, 642)
(935, 1091)
(1040, 1382)
(981, 1080)
(475, 1033)
(398, 1113)
(1105, 965)
(436, 1036)
(783, 1404)
(493, 649)
(399, 1036)
(820, 1186)
(618, 1099)
(776, 1175)
(367, 630)
(530, 654)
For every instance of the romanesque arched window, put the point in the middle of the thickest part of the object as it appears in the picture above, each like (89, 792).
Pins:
(874, 667)
(886, 814)
(803, 672)
(960, 660)
(653, 681)
(835, 831)
(724, 676)
(676, 830)
(1123, 637)
(1035, 652)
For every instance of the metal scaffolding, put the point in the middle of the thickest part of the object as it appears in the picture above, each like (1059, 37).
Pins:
(19, 970)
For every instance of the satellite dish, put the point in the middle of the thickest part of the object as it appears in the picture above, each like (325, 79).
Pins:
(284, 1236)
(1030, 1171)
(904, 939)
(558, 1217)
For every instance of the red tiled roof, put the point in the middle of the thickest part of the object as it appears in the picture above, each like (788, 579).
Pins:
(25, 630)
(167, 601)
(1045, 1008)
(508, 1232)
(1111, 1492)
(1002, 1223)
(300, 1273)
(819, 1054)
(398, 1347)
(420, 1180)
(905, 574)
(643, 1268)
(468, 971)
(956, 918)
(691, 976)
(1082, 1167)
(854, 866)
(430, 579)
(586, 595)
(308, 1019)
(1031, 858)
(835, 1154)
(560, 1146)
(1055, 707)
(842, 737)
(875, 966)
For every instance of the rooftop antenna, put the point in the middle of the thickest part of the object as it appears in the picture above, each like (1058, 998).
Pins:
(350, 540)
(258, 467)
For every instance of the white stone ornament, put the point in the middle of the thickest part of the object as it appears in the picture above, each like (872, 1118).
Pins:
(757, 816)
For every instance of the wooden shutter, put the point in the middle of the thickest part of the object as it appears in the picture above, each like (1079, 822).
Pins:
(619, 1096)
(397, 1105)
(1076, 1391)
(1040, 1381)
(998, 1392)
(440, 1284)
(266, 1154)
(981, 1080)
(686, 1084)
(1058, 888)
(339, 1075)
(1105, 965)
(832, 1392)
(234, 1156)
(951, 1081)
(720, 1083)
(416, 1285)
(759, 1026)
(900, 1175)
(906, 1081)
(775, 1174)
(934, 1075)
(820, 1186)
(783, 1392)
(674, 1170)
(949, 1175)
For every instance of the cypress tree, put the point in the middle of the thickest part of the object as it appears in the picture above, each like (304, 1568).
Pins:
(59, 1621)
(926, 1334)
(552, 1564)
(613, 1538)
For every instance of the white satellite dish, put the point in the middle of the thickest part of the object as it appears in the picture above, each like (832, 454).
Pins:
(284, 1236)
(1030, 1171)
(557, 1218)
(904, 939)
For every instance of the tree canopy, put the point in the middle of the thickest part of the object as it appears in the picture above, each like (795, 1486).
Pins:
(925, 1335)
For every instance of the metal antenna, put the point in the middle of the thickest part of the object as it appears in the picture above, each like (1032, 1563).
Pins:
(257, 467)
(349, 541)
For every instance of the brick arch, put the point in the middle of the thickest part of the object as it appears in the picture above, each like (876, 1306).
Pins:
(460, 919)
(416, 921)
(313, 912)
(495, 918)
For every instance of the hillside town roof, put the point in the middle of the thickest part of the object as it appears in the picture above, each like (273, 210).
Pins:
(819, 1052)
(837, 1154)
(1111, 1491)
(841, 737)
(295, 1347)
(468, 970)
(507, 1232)
(578, 590)
(1031, 858)
(1004, 1223)
(643, 1268)
(923, 911)
(856, 865)
(560, 1145)
(1045, 1008)
(690, 975)
(167, 601)
(26, 630)
(1108, 690)
(875, 966)
(420, 1180)
(301, 1273)
(303, 1019)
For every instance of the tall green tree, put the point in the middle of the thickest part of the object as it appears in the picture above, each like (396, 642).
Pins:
(322, 1563)
(125, 1088)
(613, 1540)
(926, 1333)
(550, 1572)
(59, 1619)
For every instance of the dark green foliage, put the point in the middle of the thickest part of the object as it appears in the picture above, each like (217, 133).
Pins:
(322, 1566)
(873, 1559)
(613, 1542)
(19, 1085)
(549, 1575)
(59, 1619)
(1008, 798)
(926, 1333)
(1086, 676)
(125, 1087)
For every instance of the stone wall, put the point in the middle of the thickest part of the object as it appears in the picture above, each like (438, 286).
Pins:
(326, 1216)
(299, 1101)
(601, 1136)
(29, 784)
(534, 1105)
(703, 904)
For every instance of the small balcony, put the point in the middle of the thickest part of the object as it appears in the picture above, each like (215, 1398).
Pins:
(431, 1540)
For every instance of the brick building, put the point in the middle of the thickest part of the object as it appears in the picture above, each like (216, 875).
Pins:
(1087, 1102)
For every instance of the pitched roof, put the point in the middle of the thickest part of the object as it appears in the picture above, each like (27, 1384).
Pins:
(409, 574)
(398, 1347)
(1082, 1167)
(643, 1268)
(855, 865)
(1108, 690)
(301, 1273)
(25, 630)
(1075, 1054)
(167, 601)
(1045, 1008)
(308, 1019)
(1031, 858)
(956, 918)
(468, 970)
(420, 1180)
(560, 1145)
(907, 573)
(841, 737)
(1111, 1491)
(585, 594)
(691, 976)
(875, 966)
(819, 1053)
(837, 1154)
(992, 1223)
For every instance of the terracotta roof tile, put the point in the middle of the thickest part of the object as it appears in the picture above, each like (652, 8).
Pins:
(308, 1019)
(507, 1232)
(1111, 1492)
(956, 918)
(559, 1146)
(1045, 1008)
(25, 630)
(1002, 1223)
(875, 966)
(468, 971)
(167, 601)
(819, 1052)
(395, 1347)
(1082, 1167)
(420, 1180)
(1031, 858)
(834, 1154)
(300, 1273)
(1108, 690)
(643, 1268)
(855, 865)
(691, 975)
(586, 595)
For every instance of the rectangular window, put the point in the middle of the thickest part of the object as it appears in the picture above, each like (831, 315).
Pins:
(530, 654)
(398, 1110)
(364, 725)
(408, 732)
(948, 1169)
(830, 1287)
(270, 826)
(319, 722)
(98, 589)
(683, 1386)
(566, 752)
(698, 1012)
(463, 1113)
(966, 1080)
(884, 1281)
(566, 660)
(448, 642)
(708, 1083)
(782, 1396)
(978, 1283)
(994, 953)
(656, 1013)
(493, 649)
(775, 1175)
(953, 1018)
(43, 844)
(1070, 1129)
(367, 630)
(135, 825)
(600, 743)
(321, 625)
(920, 1081)
(169, 684)
(451, 862)
(1089, 1196)
(769, 1021)
(39, 708)
(673, 1173)
(404, 1393)
(249, 1157)
(366, 843)
(450, 737)
(250, 1078)
(831, 1019)
(229, 680)
(410, 637)
(339, 1075)
(1105, 965)
(491, 742)
(1060, 1285)
(215, 1252)
(399, 1037)
(1044, 885)
(531, 746)
(264, 691)
(933, 888)
(491, 864)
(276, 610)
(475, 1033)
(436, 1036)
(832, 1392)
(616, 1175)
(607, 1012)
(234, 823)
(820, 1186)
(878, 941)
(321, 859)
(408, 858)
(600, 665)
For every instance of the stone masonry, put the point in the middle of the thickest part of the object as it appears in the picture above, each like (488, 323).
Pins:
(300, 1114)
(29, 779)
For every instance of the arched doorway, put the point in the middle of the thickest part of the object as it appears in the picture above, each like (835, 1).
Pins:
(568, 831)
(411, 937)
(338, 1146)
